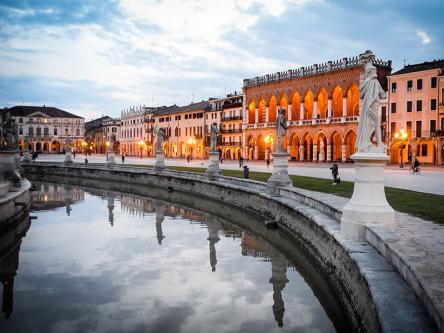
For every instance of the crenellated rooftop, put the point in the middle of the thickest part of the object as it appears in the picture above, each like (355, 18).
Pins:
(315, 69)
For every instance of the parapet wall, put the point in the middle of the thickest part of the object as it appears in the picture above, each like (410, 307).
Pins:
(373, 294)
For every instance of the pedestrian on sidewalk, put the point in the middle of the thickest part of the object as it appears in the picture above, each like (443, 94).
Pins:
(335, 173)
(268, 162)
(123, 158)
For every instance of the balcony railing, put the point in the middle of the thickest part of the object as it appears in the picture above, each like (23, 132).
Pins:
(231, 105)
(231, 144)
(232, 118)
(308, 122)
(236, 130)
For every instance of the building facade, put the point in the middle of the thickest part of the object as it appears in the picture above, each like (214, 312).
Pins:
(415, 108)
(134, 126)
(46, 128)
(110, 127)
(231, 126)
(321, 105)
(95, 138)
(184, 127)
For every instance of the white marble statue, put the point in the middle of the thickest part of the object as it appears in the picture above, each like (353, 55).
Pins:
(160, 135)
(281, 128)
(370, 92)
(68, 143)
(111, 143)
(213, 136)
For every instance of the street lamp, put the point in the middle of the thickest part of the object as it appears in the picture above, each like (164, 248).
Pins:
(402, 136)
(191, 142)
(268, 144)
(141, 143)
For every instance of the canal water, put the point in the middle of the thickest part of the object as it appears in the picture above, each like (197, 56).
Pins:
(102, 261)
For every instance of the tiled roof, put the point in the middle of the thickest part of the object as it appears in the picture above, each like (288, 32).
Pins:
(204, 105)
(26, 110)
(435, 64)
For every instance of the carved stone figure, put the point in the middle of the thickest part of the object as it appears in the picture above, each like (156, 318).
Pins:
(281, 128)
(160, 135)
(370, 92)
(68, 143)
(9, 133)
(213, 136)
(111, 143)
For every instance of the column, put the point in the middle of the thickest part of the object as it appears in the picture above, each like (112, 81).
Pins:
(301, 110)
(329, 148)
(344, 106)
(344, 147)
(256, 116)
(315, 110)
(266, 114)
(289, 151)
(315, 152)
(256, 152)
(289, 113)
(301, 153)
(329, 115)
(247, 116)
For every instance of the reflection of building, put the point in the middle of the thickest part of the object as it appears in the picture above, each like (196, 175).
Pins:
(279, 279)
(414, 95)
(46, 128)
(52, 196)
(213, 238)
(252, 246)
(322, 110)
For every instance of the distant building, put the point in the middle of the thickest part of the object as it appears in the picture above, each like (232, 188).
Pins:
(110, 127)
(134, 127)
(415, 102)
(46, 128)
(95, 138)
(231, 128)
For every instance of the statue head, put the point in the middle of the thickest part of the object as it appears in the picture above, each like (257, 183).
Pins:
(366, 57)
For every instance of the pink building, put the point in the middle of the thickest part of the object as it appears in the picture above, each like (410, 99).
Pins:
(413, 103)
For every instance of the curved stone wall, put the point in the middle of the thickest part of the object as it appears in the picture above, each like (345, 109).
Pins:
(373, 294)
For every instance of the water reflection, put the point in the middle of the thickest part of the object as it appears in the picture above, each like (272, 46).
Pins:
(153, 261)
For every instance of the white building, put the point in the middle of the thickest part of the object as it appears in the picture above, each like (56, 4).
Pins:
(46, 128)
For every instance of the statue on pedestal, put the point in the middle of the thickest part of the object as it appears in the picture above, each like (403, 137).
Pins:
(9, 133)
(370, 92)
(281, 128)
(68, 143)
(160, 136)
(213, 136)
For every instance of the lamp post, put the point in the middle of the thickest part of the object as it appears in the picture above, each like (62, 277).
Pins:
(402, 136)
(141, 143)
(268, 144)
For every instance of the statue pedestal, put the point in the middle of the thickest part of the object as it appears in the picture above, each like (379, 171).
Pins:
(9, 174)
(213, 169)
(26, 156)
(368, 203)
(160, 163)
(279, 177)
(68, 159)
(111, 161)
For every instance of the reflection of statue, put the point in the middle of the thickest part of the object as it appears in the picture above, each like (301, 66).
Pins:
(160, 135)
(68, 143)
(9, 132)
(370, 92)
(281, 128)
(213, 238)
(213, 136)
(160, 217)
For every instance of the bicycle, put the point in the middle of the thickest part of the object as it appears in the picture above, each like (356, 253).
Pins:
(415, 170)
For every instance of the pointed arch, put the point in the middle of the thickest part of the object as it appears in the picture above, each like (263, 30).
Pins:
(308, 104)
(322, 98)
(350, 143)
(336, 101)
(272, 109)
(251, 112)
(352, 100)
(261, 110)
(335, 147)
(295, 106)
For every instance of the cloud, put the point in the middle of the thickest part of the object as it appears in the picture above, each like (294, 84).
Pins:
(425, 39)
(131, 52)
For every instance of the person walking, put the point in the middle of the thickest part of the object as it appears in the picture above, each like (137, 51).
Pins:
(335, 173)
(123, 158)
(268, 162)
(415, 165)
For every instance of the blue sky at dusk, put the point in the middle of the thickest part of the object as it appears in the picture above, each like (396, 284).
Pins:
(98, 57)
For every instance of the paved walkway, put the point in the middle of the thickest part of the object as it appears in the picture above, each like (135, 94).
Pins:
(431, 179)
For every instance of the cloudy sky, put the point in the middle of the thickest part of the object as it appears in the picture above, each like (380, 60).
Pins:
(94, 57)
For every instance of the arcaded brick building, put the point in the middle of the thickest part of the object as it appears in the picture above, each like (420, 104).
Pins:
(322, 110)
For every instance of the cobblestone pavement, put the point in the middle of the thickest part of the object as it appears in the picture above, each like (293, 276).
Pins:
(431, 179)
